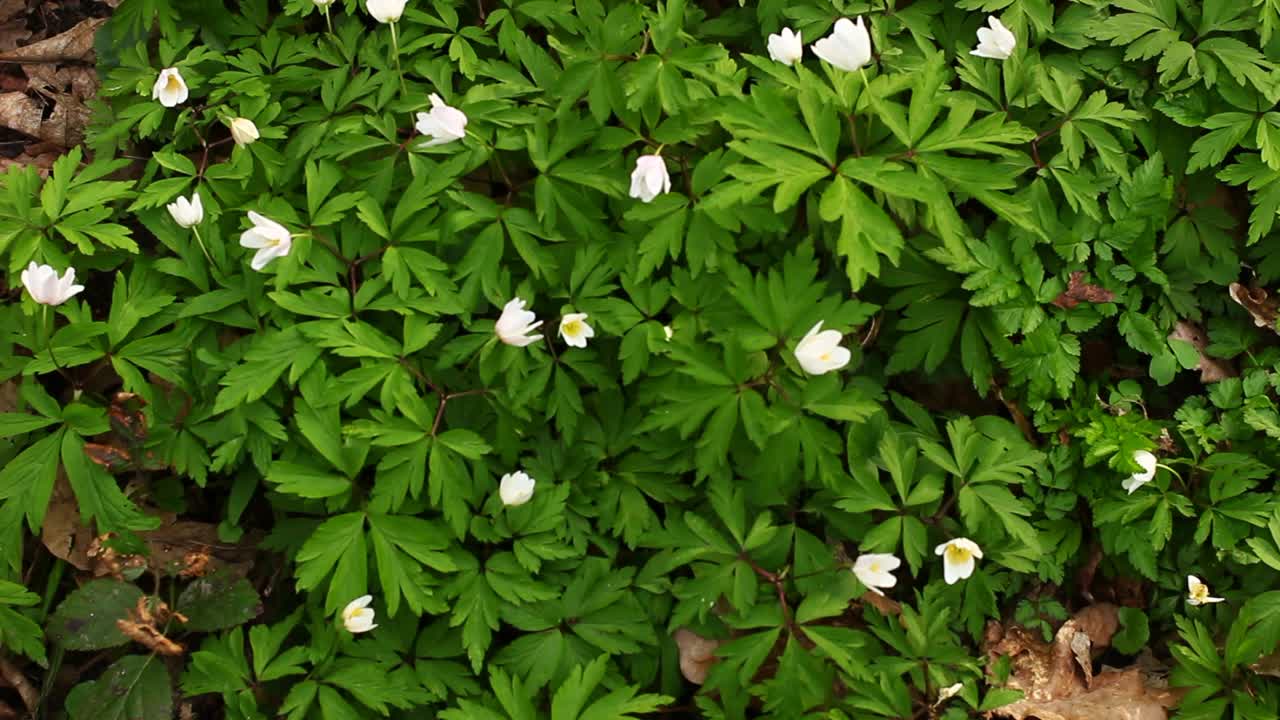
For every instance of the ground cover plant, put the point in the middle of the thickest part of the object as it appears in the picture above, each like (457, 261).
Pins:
(525, 359)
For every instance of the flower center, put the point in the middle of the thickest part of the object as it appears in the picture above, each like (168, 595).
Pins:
(1200, 591)
(825, 357)
(875, 567)
(173, 83)
(573, 327)
(957, 554)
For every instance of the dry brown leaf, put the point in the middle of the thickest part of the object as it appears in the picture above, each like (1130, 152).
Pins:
(9, 9)
(64, 127)
(1212, 369)
(1258, 302)
(141, 628)
(13, 676)
(1057, 679)
(1268, 665)
(885, 605)
(40, 155)
(697, 655)
(1079, 291)
(188, 548)
(22, 113)
(1099, 622)
(63, 533)
(74, 44)
(13, 29)
(79, 81)
(13, 34)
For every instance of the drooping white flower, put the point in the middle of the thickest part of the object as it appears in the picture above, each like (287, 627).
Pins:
(875, 571)
(996, 42)
(575, 330)
(786, 47)
(386, 11)
(1138, 479)
(1198, 592)
(323, 3)
(243, 131)
(949, 692)
(444, 124)
(958, 558)
(268, 237)
(650, 178)
(170, 89)
(848, 47)
(187, 213)
(515, 324)
(357, 616)
(820, 352)
(516, 488)
(666, 330)
(46, 287)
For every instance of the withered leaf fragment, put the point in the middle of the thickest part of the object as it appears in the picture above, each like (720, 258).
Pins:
(1057, 678)
(1079, 291)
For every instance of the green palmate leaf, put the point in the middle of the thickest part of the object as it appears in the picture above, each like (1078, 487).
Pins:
(337, 546)
(573, 700)
(30, 476)
(404, 548)
(97, 493)
(17, 631)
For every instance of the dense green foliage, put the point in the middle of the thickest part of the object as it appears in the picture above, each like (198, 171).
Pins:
(1031, 261)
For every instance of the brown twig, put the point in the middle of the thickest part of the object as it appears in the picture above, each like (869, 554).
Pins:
(1019, 417)
(778, 582)
(19, 682)
(1035, 141)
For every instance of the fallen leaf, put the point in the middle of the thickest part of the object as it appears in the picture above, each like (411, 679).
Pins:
(1268, 665)
(63, 534)
(141, 628)
(20, 112)
(13, 676)
(885, 605)
(111, 458)
(1057, 678)
(1212, 369)
(186, 548)
(1260, 305)
(697, 655)
(1079, 291)
(13, 29)
(74, 44)
(170, 545)
(64, 126)
(40, 155)
(10, 9)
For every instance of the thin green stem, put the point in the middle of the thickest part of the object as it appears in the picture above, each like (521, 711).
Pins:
(395, 49)
(195, 230)
(48, 322)
(328, 22)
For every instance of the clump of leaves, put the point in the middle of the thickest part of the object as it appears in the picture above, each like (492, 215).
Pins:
(609, 359)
